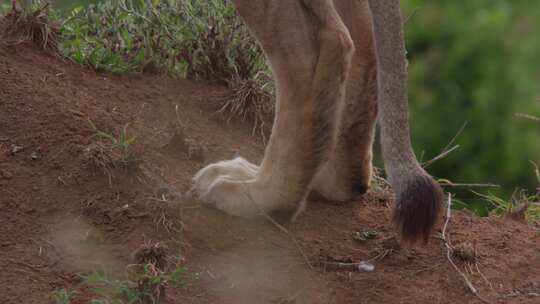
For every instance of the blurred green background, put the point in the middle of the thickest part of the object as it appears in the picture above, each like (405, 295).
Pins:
(475, 63)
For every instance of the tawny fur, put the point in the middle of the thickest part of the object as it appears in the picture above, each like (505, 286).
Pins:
(335, 64)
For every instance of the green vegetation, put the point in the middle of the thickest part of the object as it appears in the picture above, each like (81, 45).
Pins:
(471, 63)
(62, 296)
(501, 207)
(189, 38)
(114, 150)
(121, 37)
(194, 39)
(365, 235)
(145, 285)
(476, 62)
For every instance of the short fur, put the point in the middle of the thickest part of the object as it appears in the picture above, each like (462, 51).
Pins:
(336, 64)
(416, 209)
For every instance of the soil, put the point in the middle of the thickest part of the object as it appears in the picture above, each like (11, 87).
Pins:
(65, 214)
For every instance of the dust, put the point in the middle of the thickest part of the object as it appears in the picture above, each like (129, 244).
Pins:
(248, 262)
(83, 248)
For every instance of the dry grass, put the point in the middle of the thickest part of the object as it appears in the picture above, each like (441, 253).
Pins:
(378, 182)
(34, 26)
(106, 158)
(248, 101)
(109, 153)
(146, 280)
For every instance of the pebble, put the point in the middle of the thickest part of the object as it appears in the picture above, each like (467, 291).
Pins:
(35, 156)
(6, 174)
(16, 149)
(367, 267)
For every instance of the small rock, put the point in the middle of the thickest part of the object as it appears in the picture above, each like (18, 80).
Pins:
(35, 156)
(16, 149)
(30, 211)
(367, 267)
(6, 174)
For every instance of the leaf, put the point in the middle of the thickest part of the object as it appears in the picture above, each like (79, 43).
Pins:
(365, 235)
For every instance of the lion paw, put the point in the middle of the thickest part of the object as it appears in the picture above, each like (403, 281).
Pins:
(228, 186)
(330, 185)
(236, 169)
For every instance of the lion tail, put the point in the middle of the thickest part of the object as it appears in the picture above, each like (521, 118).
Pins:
(418, 196)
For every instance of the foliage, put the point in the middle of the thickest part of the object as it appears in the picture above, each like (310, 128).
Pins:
(4, 8)
(143, 285)
(124, 36)
(118, 145)
(195, 39)
(502, 207)
(472, 62)
(220, 46)
(63, 296)
(189, 38)
(30, 20)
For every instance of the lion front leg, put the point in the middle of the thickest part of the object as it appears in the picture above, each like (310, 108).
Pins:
(310, 68)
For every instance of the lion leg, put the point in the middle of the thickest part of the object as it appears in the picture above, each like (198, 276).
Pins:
(348, 170)
(310, 72)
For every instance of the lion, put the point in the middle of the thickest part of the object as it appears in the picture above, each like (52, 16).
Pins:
(338, 65)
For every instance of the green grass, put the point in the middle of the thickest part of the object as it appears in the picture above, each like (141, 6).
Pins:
(121, 143)
(190, 38)
(110, 152)
(122, 37)
(63, 296)
(4, 8)
(495, 205)
(144, 285)
(202, 40)
(501, 207)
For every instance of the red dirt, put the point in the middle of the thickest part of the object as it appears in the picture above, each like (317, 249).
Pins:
(59, 218)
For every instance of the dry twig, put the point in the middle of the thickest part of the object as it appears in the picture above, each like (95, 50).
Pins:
(284, 230)
(357, 265)
(450, 249)
(280, 227)
(527, 116)
(449, 148)
(447, 183)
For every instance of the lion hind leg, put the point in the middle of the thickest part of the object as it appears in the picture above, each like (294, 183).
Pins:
(348, 170)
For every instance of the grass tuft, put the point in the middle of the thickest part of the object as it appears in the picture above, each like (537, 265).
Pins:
(32, 23)
(111, 152)
(248, 101)
(521, 206)
(63, 296)
(145, 282)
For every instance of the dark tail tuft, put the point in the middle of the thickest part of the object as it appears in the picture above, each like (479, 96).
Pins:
(417, 208)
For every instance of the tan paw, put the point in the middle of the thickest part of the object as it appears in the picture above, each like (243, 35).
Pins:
(329, 184)
(232, 197)
(227, 186)
(237, 169)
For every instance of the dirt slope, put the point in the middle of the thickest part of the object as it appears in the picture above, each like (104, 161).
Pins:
(60, 217)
